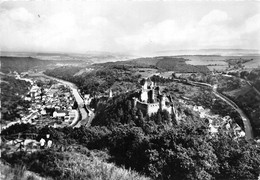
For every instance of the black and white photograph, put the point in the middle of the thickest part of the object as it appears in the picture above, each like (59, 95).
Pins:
(130, 90)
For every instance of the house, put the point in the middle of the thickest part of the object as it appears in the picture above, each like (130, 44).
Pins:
(43, 112)
(59, 113)
(27, 98)
(213, 129)
(34, 90)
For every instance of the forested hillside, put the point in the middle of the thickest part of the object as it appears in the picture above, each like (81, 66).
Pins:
(117, 77)
(243, 88)
(180, 65)
(184, 151)
(120, 135)
(21, 64)
(163, 63)
(12, 102)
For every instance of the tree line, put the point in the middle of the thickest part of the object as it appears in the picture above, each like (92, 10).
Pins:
(182, 151)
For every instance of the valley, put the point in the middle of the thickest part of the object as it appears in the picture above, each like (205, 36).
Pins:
(177, 101)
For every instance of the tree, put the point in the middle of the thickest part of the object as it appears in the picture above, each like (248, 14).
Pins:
(253, 75)
(75, 105)
(166, 116)
(244, 74)
(129, 105)
(159, 118)
(140, 120)
(238, 159)
(120, 113)
(24, 130)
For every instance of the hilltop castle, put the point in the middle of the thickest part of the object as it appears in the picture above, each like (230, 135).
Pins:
(151, 100)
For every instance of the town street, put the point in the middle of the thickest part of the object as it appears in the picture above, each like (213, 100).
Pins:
(86, 114)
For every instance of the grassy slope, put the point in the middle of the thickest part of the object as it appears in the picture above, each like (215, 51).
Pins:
(82, 167)
(71, 164)
(17, 172)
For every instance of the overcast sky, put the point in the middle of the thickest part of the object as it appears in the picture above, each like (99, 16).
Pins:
(128, 26)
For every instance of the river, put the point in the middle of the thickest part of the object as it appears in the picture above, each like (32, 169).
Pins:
(86, 117)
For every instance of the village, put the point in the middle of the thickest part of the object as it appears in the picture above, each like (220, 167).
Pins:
(51, 104)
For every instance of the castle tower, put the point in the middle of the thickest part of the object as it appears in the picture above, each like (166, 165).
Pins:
(162, 101)
(152, 85)
(144, 95)
(151, 96)
(145, 86)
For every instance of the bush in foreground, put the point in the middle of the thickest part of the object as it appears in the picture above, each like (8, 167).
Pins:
(72, 165)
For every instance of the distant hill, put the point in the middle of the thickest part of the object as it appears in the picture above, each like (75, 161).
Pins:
(87, 57)
(221, 52)
(165, 63)
(21, 64)
(179, 65)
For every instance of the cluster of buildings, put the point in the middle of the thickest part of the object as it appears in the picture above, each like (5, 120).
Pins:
(53, 101)
(227, 125)
(150, 100)
(217, 123)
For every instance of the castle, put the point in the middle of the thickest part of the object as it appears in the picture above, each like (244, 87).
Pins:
(150, 99)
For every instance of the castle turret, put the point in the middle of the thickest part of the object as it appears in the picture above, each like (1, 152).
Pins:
(163, 101)
(152, 85)
(144, 95)
(151, 96)
(145, 86)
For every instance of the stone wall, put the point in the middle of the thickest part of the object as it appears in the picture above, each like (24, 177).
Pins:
(153, 108)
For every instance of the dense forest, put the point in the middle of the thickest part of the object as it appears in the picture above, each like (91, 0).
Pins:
(163, 63)
(12, 102)
(99, 80)
(253, 77)
(158, 147)
(182, 151)
(179, 65)
(244, 95)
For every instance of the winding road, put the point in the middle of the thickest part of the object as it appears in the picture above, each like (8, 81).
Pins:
(245, 119)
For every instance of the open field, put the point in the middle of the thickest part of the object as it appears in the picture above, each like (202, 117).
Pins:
(145, 72)
(218, 62)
